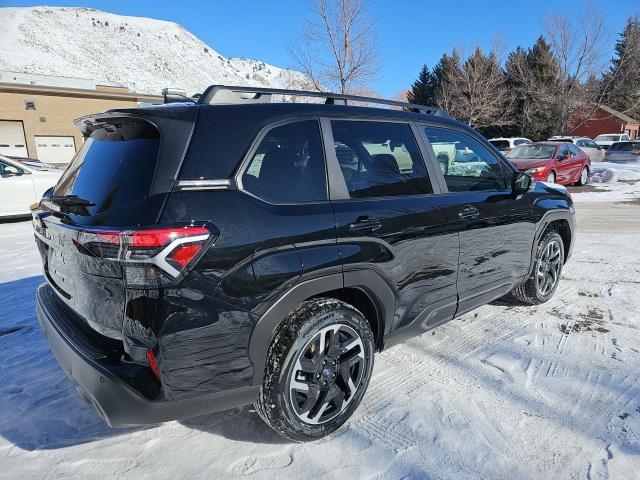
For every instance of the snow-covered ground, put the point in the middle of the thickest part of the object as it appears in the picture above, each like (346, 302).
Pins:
(506, 391)
(612, 182)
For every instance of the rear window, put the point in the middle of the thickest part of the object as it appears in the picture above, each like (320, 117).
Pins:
(625, 147)
(115, 166)
(608, 138)
(500, 144)
(564, 140)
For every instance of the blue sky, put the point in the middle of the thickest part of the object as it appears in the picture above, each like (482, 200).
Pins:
(411, 32)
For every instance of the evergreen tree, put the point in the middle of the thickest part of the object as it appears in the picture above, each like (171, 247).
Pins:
(423, 89)
(517, 80)
(542, 64)
(532, 80)
(621, 84)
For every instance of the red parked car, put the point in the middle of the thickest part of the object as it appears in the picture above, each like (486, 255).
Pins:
(552, 162)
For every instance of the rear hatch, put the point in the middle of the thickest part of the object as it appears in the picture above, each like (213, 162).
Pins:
(97, 230)
(623, 151)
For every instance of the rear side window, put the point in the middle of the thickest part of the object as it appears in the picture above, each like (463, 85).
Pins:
(379, 159)
(466, 164)
(288, 165)
(115, 166)
(625, 147)
(501, 144)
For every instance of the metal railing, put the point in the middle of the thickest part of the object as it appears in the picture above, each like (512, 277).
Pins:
(224, 94)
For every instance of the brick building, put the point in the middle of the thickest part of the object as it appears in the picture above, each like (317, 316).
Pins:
(37, 113)
(603, 120)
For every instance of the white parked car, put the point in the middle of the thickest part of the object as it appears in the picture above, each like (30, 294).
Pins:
(605, 140)
(506, 144)
(585, 144)
(22, 185)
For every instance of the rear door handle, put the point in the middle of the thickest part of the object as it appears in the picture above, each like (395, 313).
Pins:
(365, 224)
(468, 212)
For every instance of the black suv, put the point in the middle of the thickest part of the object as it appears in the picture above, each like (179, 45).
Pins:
(201, 256)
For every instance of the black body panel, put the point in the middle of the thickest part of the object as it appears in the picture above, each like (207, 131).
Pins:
(417, 261)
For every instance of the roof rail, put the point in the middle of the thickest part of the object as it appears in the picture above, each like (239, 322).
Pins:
(225, 94)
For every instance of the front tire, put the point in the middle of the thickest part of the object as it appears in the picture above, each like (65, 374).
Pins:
(542, 283)
(318, 369)
(551, 178)
(584, 177)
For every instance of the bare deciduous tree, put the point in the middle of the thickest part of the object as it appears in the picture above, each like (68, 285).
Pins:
(337, 46)
(578, 43)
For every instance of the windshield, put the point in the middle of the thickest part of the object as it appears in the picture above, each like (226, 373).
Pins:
(625, 147)
(560, 140)
(532, 152)
(608, 138)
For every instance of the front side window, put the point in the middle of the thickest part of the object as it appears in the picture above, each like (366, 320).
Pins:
(379, 159)
(574, 150)
(466, 164)
(288, 165)
(562, 151)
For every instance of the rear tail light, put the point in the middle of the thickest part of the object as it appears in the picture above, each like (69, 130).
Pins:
(151, 257)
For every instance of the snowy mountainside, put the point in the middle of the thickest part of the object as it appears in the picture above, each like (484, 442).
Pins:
(142, 54)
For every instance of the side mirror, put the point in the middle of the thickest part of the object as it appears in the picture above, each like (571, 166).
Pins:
(564, 156)
(522, 183)
(48, 193)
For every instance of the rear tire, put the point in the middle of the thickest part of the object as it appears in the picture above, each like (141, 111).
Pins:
(584, 177)
(318, 369)
(547, 268)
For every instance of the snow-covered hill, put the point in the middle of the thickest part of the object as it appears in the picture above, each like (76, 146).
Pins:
(143, 54)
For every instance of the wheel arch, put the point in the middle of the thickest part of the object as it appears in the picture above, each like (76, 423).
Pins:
(364, 289)
(561, 220)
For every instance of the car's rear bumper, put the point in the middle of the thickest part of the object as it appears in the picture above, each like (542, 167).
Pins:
(100, 382)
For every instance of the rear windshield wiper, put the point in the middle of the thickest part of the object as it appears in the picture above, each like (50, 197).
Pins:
(72, 204)
(70, 201)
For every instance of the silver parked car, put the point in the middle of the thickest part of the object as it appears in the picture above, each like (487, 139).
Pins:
(624, 152)
(585, 144)
(605, 140)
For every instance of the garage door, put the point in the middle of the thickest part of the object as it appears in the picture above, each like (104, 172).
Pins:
(12, 139)
(55, 150)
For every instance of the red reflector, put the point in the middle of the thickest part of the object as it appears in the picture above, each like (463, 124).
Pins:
(109, 237)
(160, 237)
(185, 253)
(153, 363)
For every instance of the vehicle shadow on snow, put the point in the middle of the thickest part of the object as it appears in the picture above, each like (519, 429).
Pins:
(39, 407)
(242, 424)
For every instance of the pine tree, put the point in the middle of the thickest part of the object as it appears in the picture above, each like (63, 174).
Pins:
(517, 80)
(542, 64)
(621, 84)
(423, 89)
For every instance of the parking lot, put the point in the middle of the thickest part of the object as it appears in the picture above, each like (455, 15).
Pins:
(505, 391)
